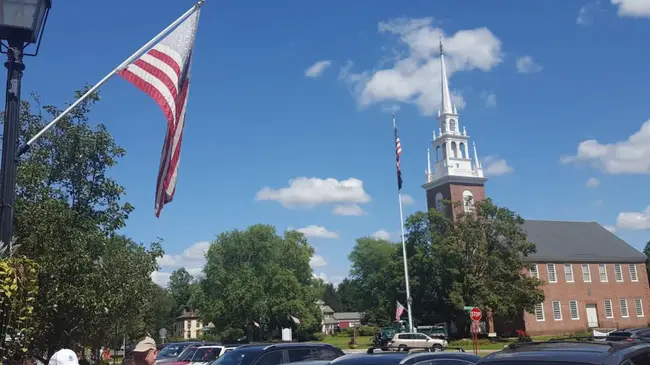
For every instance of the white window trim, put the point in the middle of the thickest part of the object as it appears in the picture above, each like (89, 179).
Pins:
(600, 276)
(543, 315)
(553, 308)
(621, 271)
(642, 311)
(548, 273)
(536, 271)
(636, 272)
(627, 308)
(577, 310)
(588, 272)
(572, 275)
(611, 308)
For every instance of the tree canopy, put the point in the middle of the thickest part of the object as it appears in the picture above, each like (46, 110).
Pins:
(256, 275)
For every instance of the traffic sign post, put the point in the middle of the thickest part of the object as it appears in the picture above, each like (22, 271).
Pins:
(163, 334)
(475, 315)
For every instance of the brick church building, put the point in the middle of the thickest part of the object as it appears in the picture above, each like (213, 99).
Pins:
(593, 279)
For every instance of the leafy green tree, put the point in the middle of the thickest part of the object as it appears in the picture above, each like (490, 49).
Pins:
(475, 260)
(349, 291)
(179, 289)
(68, 211)
(331, 297)
(376, 268)
(257, 275)
(160, 311)
(646, 251)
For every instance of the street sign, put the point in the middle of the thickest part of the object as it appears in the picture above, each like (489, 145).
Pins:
(475, 314)
(163, 333)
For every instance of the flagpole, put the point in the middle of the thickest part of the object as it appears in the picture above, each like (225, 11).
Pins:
(24, 148)
(406, 266)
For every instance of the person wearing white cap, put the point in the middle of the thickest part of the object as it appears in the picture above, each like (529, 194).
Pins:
(145, 352)
(64, 357)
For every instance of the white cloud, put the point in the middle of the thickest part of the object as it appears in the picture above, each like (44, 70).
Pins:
(317, 261)
(631, 156)
(414, 75)
(304, 192)
(495, 166)
(592, 182)
(407, 199)
(322, 276)
(610, 228)
(348, 209)
(527, 64)
(490, 99)
(314, 231)
(634, 220)
(317, 68)
(192, 259)
(633, 8)
(381, 234)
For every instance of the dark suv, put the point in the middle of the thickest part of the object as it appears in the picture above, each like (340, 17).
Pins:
(278, 353)
(566, 352)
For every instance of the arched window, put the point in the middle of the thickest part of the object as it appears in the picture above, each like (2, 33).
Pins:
(444, 151)
(462, 153)
(454, 150)
(452, 125)
(439, 205)
(468, 201)
(437, 153)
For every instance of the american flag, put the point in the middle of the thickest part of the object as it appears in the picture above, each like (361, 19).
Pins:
(398, 312)
(163, 73)
(398, 153)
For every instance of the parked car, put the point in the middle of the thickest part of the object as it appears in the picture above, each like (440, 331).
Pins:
(278, 353)
(406, 341)
(629, 334)
(207, 354)
(172, 350)
(564, 352)
(405, 358)
(186, 356)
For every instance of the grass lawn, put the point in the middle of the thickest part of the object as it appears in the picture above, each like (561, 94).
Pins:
(341, 342)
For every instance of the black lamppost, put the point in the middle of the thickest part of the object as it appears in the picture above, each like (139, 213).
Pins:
(21, 22)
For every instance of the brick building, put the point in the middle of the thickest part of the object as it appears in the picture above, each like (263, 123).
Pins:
(593, 279)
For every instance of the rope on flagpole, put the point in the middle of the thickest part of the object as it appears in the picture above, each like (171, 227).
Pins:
(25, 147)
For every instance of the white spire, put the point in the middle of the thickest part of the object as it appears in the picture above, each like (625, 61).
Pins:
(446, 97)
(476, 160)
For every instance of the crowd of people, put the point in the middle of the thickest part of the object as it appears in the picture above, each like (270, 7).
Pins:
(144, 353)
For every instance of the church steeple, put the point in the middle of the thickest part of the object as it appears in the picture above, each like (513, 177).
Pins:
(446, 96)
(455, 176)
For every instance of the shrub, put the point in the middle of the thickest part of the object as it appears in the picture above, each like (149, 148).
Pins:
(318, 336)
(367, 330)
(522, 336)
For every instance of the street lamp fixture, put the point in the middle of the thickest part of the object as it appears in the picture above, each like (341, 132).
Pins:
(21, 24)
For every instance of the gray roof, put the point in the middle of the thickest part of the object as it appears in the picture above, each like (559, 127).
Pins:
(327, 309)
(559, 241)
(348, 316)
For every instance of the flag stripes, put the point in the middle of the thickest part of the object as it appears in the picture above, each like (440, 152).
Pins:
(163, 73)
(398, 153)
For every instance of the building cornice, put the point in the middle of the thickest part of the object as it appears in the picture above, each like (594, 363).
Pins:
(451, 179)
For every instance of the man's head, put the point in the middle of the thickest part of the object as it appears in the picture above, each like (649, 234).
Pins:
(145, 352)
(64, 357)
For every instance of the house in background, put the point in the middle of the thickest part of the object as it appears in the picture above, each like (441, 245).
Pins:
(188, 325)
(332, 320)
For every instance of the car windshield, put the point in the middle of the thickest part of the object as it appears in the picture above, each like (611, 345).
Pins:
(188, 354)
(236, 357)
(206, 354)
(172, 350)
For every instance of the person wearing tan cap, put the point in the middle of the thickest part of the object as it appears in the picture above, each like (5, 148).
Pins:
(145, 352)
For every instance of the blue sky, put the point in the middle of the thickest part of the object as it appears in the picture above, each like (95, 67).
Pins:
(534, 84)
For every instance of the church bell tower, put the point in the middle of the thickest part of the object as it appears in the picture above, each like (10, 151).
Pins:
(455, 177)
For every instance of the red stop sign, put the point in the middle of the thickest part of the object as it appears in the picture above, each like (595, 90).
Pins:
(475, 314)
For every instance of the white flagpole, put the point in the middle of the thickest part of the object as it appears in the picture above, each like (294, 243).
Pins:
(24, 148)
(406, 266)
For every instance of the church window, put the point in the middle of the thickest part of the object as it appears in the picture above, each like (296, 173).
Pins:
(454, 150)
(452, 125)
(463, 152)
(439, 204)
(437, 153)
(468, 201)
